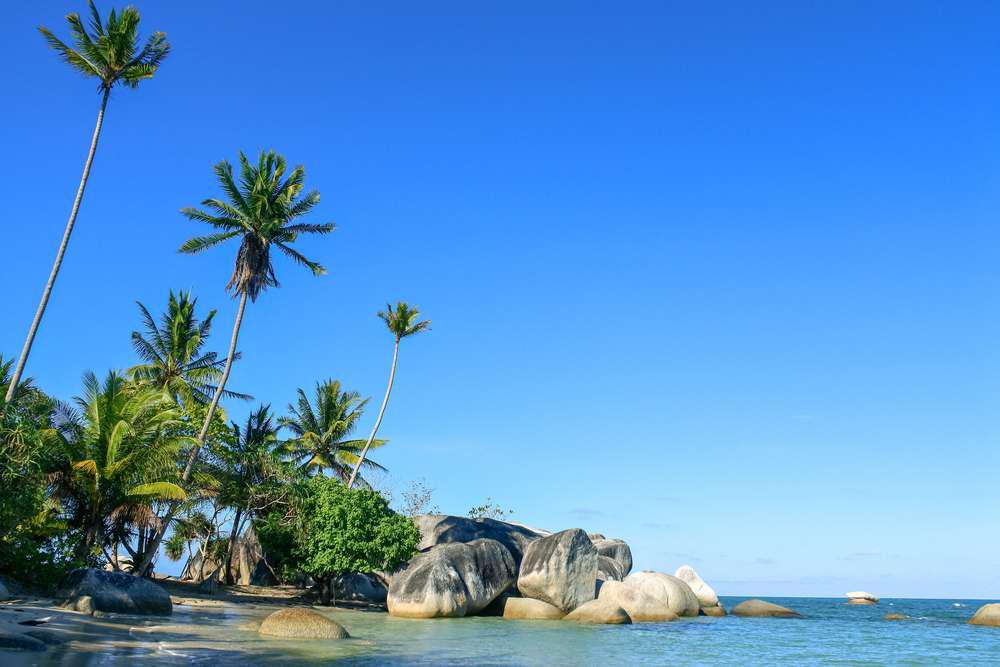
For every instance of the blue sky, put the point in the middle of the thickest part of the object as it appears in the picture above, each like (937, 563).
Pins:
(718, 278)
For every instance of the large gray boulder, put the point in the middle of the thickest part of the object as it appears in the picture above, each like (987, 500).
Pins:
(706, 596)
(560, 569)
(763, 609)
(670, 590)
(361, 587)
(640, 605)
(988, 614)
(617, 550)
(452, 579)
(301, 623)
(114, 592)
(608, 569)
(438, 529)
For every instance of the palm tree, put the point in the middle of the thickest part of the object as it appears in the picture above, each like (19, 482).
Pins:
(402, 323)
(261, 212)
(320, 431)
(119, 460)
(250, 467)
(110, 53)
(173, 356)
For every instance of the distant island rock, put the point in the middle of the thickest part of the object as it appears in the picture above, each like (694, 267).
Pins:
(861, 597)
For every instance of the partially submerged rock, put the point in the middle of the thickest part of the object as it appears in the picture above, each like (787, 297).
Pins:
(560, 569)
(301, 623)
(760, 608)
(93, 590)
(706, 596)
(529, 609)
(895, 617)
(452, 579)
(674, 592)
(988, 614)
(861, 597)
(639, 605)
(600, 612)
(617, 550)
(717, 610)
(21, 642)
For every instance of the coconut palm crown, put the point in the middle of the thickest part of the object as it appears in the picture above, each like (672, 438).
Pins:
(403, 321)
(109, 51)
(260, 212)
(321, 430)
(173, 354)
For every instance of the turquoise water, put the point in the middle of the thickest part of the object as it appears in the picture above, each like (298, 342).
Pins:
(832, 633)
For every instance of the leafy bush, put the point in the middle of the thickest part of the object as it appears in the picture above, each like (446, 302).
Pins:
(349, 530)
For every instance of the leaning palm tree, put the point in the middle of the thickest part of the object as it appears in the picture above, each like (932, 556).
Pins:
(173, 356)
(321, 431)
(110, 53)
(402, 322)
(261, 211)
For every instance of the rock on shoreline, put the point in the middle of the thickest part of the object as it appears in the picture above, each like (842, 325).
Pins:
(90, 590)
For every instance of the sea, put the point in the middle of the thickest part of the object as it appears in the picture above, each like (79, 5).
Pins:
(831, 632)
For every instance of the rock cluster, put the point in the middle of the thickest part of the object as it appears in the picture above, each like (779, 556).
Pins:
(484, 566)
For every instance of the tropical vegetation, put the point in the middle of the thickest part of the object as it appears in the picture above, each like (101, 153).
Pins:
(158, 455)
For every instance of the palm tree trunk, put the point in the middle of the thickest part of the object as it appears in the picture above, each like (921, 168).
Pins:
(378, 422)
(26, 350)
(234, 533)
(156, 538)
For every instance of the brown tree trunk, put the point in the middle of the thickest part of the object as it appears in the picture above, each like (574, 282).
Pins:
(26, 350)
(234, 533)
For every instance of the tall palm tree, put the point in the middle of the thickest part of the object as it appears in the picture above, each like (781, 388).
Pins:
(110, 53)
(173, 356)
(261, 211)
(119, 460)
(402, 322)
(320, 432)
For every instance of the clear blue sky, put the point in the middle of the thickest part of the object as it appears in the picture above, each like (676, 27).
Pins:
(718, 278)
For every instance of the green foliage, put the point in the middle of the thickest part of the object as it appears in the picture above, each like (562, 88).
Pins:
(350, 530)
(490, 510)
(403, 320)
(35, 548)
(321, 430)
(110, 51)
(117, 459)
(172, 352)
(277, 539)
(260, 211)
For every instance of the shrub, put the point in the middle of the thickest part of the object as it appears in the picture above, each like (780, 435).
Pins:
(349, 530)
